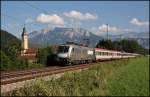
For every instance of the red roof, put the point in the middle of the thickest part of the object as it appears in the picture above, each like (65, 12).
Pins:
(29, 57)
(32, 50)
(30, 54)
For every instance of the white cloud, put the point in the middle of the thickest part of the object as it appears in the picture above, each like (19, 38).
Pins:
(29, 20)
(13, 25)
(53, 19)
(103, 28)
(80, 16)
(111, 29)
(138, 22)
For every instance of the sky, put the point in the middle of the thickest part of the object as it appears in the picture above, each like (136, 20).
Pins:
(121, 16)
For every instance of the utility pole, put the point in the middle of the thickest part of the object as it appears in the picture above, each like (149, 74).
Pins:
(87, 41)
(107, 31)
(120, 36)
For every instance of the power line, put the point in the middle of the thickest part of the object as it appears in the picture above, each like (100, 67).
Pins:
(13, 18)
(18, 20)
(35, 7)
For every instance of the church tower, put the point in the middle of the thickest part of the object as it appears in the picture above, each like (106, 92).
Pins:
(24, 43)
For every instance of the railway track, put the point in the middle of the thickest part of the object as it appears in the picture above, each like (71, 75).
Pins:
(13, 77)
(13, 80)
(24, 72)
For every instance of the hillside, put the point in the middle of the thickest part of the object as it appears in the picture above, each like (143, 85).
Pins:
(8, 40)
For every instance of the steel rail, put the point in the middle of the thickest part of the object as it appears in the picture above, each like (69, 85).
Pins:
(42, 73)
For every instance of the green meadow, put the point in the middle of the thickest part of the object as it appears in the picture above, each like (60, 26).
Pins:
(127, 77)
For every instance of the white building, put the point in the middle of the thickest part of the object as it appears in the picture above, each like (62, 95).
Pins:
(24, 43)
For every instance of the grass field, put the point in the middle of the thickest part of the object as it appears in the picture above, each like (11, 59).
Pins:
(132, 79)
(121, 77)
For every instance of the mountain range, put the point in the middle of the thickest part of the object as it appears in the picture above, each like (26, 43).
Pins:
(141, 37)
(60, 35)
(63, 35)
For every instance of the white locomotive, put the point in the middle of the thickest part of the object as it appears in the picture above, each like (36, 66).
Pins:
(75, 54)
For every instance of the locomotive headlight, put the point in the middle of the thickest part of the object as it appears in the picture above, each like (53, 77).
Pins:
(63, 55)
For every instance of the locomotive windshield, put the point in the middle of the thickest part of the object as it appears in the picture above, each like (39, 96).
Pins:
(63, 49)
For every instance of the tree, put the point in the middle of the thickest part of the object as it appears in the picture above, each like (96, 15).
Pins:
(105, 44)
(130, 46)
(43, 55)
(5, 61)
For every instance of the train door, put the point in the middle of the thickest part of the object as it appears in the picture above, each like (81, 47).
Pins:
(74, 54)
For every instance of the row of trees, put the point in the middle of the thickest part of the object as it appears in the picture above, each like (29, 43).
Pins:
(7, 63)
(130, 46)
(9, 51)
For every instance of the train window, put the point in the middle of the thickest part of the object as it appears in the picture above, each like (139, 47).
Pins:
(96, 53)
(63, 49)
(72, 49)
(104, 53)
(100, 53)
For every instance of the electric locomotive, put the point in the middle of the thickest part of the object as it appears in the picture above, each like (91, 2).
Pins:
(75, 54)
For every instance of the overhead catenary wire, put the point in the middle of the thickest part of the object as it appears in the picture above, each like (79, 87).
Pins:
(16, 20)
(37, 8)
(12, 17)
(40, 10)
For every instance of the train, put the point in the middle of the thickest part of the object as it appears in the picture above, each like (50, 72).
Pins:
(77, 54)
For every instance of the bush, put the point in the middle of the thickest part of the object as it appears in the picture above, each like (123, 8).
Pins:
(44, 55)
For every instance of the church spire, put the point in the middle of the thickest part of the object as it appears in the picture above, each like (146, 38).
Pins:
(24, 30)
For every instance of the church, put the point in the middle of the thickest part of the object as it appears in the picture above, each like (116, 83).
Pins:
(27, 53)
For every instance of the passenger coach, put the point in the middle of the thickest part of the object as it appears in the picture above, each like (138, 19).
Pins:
(104, 54)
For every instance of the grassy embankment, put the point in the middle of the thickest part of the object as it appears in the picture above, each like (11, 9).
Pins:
(122, 77)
